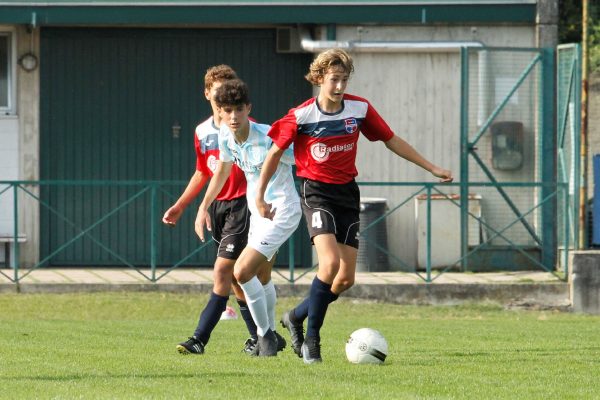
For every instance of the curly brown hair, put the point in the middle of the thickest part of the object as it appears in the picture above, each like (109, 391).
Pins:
(218, 73)
(232, 93)
(327, 59)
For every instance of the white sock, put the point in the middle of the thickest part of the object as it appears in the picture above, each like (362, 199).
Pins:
(271, 296)
(257, 303)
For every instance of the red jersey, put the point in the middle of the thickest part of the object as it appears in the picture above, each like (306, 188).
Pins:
(325, 143)
(206, 142)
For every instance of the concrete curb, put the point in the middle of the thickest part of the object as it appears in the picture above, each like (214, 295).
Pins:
(554, 294)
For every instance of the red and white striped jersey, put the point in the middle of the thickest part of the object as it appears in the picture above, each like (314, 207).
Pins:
(206, 142)
(325, 143)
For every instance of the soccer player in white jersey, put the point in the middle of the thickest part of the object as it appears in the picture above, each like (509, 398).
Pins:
(231, 222)
(245, 143)
(325, 131)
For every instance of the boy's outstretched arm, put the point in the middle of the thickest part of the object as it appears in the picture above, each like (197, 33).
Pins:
(268, 169)
(216, 184)
(406, 151)
(195, 185)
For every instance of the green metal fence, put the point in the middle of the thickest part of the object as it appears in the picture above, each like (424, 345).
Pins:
(441, 237)
(507, 211)
(508, 142)
(568, 88)
(294, 257)
(103, 204)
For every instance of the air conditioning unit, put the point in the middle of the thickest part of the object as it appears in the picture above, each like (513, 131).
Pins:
(288, 40)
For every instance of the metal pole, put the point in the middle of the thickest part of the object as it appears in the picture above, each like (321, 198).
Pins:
(16, 254)
(428, 234)
(584, 127)
(153, 236)
(548, 163)
(291, 257)
(464, 157)
(565, 254)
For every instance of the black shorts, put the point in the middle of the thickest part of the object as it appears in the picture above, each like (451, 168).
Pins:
(331, 208)
(230, 224)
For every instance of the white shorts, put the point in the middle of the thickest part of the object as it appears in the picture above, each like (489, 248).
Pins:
(267, 236)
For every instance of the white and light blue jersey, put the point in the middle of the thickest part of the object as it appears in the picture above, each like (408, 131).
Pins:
(250, 156)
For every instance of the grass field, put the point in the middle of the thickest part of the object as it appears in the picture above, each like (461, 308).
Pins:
(122, 345)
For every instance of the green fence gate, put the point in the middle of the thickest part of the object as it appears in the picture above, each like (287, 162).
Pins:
(508, 157)
(568, 128)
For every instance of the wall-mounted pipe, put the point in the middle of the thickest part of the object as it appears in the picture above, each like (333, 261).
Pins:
(359, 46)
(316, 46)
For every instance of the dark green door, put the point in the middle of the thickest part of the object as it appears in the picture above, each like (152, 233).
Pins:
(111, 104)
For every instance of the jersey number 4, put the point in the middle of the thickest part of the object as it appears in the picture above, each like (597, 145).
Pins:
(317, 222)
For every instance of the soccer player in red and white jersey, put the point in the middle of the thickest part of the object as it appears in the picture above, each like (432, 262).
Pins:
(231, 222)
(325, 131)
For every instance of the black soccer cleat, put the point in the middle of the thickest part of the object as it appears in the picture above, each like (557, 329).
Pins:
(281, 343)
(267, 345)
(249, 346)
(191, 346)
(311, 350)
(296, 332)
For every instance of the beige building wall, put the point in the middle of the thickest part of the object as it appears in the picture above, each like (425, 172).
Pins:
(19, 143)
(28, 96)
(418, 94)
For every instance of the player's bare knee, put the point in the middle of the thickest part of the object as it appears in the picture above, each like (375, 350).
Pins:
(344, 284)
(332, 265)
(237, 290)
(223, 273)
(234, 284)
(264, 277)
(242, 273)
(224, 277)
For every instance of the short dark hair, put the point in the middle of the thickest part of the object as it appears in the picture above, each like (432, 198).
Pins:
(232, 93)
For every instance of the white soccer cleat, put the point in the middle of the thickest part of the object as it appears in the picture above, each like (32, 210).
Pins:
(229, 313)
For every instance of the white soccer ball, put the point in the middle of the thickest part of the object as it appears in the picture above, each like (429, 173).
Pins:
(366, 346)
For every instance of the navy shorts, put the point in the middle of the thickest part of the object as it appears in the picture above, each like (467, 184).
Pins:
(230, 224)
(331, 208)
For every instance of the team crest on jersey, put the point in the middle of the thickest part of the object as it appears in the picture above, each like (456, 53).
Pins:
(319, 152)
(350, 125)
(258, 154)
(211, 163)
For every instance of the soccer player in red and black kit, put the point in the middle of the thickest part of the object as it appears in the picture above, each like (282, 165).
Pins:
(230, 223)
(324, 131)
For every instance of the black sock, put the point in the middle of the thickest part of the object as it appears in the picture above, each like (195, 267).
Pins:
(300, 313)
(245, 311)
(317, 307)
(210, 317)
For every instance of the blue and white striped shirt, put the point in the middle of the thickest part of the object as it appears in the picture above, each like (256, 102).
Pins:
(250, 156)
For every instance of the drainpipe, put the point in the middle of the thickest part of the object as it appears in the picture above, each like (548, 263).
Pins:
(583, 189)
(316, 46)
(354, 46)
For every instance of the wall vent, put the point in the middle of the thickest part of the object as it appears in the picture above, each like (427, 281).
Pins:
(288, 40)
